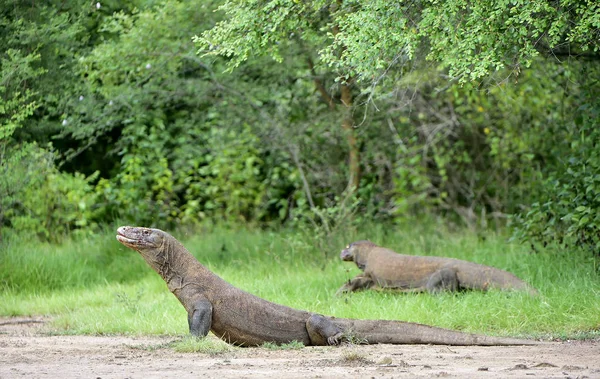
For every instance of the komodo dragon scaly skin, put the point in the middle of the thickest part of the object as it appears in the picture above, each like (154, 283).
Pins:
(384, 268)
(243, 319)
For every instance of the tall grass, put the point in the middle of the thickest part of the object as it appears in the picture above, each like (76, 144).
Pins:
(34, 266)
(97, 286)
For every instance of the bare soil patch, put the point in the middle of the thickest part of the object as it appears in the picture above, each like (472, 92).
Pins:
(27, 350)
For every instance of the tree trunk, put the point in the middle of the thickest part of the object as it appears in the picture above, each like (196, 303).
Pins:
(348, 126)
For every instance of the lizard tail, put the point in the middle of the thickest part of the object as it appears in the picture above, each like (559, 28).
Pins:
(399, 332)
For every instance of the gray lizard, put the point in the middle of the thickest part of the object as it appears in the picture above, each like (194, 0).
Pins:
(384, 268)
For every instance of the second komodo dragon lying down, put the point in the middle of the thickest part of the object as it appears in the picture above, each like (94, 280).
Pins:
(384, 268)
(243, 319)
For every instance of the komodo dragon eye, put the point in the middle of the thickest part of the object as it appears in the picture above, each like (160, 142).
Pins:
(146, 232)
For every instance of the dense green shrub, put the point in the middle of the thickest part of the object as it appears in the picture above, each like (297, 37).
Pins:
(483, 152)
(177, 141)
(224, 182)
(567, 209)
(37, 199)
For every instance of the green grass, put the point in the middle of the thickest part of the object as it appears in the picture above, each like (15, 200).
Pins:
(354, 356)
(294, 345)
(96, 286)
(211, 345)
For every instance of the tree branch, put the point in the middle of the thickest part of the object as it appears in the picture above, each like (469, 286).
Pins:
(319, 84)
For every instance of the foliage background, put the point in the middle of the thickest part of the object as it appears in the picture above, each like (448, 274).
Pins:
(310, 114)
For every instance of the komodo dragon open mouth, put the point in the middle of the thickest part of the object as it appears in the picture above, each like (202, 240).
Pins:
(126, 240)
(130, 238)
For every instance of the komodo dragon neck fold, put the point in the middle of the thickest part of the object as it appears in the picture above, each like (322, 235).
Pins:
(244, 319)
(171, 275)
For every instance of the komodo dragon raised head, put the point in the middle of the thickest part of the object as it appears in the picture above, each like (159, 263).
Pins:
(148, 242)
(357, 252)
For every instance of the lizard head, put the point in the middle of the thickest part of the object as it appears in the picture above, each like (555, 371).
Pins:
(354, 251)
(347, 253)
(146, 241)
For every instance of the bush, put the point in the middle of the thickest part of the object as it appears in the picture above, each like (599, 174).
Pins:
(37, 199)
(568, 211)
(226, 181)
(484, 152)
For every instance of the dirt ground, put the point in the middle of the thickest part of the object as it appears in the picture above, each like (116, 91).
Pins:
(28, 351)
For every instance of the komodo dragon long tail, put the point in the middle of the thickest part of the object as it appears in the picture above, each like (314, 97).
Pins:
(243, 319)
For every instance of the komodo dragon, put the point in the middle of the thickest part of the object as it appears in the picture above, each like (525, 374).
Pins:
(384, 268)
(243, 319)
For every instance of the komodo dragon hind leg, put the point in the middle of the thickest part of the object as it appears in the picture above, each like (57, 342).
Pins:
(322, 331)
(444, 279)
(200, 317)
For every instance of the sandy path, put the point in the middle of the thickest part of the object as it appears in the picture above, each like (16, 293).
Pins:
(26, 352)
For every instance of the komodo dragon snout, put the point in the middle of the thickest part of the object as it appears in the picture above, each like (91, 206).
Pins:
(144, 240)
(346, 254)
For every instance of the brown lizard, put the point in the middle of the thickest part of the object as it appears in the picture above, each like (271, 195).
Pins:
(384, 268)
(243, 319)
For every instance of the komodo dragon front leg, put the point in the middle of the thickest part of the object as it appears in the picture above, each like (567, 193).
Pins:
(200, 317)
(359, 282)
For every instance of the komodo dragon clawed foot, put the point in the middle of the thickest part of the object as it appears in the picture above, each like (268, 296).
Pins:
(323, 331)
(360, 282)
